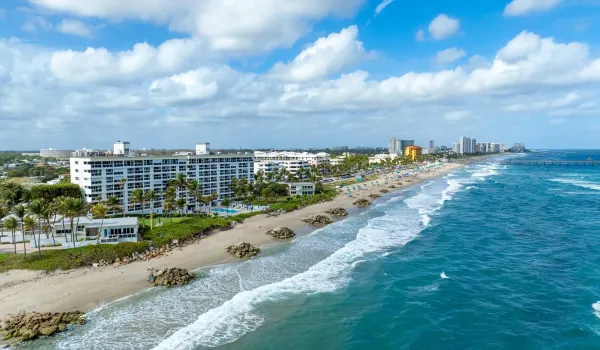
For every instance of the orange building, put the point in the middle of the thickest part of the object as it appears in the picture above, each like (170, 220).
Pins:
(413, 152)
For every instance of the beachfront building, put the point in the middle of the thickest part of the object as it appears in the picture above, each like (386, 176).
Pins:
(268, 166)
(111, 230)
(313, 159)
(378, 158)
(412, 152)
(101, 176)
(467, 145)
(301, 188)
(455, 147)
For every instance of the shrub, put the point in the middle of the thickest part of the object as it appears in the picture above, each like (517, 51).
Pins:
(49, 192)
(184, 229)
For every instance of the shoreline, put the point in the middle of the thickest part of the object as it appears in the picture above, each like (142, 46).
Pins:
(88, 288)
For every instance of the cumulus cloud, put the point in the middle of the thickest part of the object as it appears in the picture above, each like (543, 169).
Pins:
(66, 92)
(443, 27)
(526, 7)
(74, 27)
(449, 55)
(225, 25)
(326, 56)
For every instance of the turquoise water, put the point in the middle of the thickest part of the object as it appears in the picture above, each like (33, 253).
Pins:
(224, 210)
(488, 257)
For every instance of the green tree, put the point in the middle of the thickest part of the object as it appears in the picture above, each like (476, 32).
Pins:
(99, 211)
(226, 202)
(114, 206)
(37, 208)
(150, 197)
(137, 197)
(19, 212)
(195, 190)
(74, 208)
(3, 213)
(180, 204)
(28, 225)
(12, 224)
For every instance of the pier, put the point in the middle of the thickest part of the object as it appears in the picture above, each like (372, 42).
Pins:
(588, 162)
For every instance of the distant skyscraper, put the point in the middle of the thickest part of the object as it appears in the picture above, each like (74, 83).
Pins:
(393, 146)
(431, 145)
(455, 147)
(406, 143)
(473, 146)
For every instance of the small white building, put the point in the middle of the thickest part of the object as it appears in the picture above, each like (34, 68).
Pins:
(267, 166)
(376, 159)
(301, 188)
(111, 230)
(122, 148)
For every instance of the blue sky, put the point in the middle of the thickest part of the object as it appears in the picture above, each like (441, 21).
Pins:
(268, 73)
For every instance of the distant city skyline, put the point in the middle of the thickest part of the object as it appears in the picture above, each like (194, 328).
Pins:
(311, 73)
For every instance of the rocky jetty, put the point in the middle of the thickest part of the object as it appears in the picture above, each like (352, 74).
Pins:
(317, 219)
(243, 250)
(362, 202)
(374, 195)
(32, 325)
(337, 212)
(399, 183)
(170, 276)
(391, 186)
(383, 190)
(281, 232)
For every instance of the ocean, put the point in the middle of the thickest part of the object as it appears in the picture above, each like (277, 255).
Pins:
(487, 257)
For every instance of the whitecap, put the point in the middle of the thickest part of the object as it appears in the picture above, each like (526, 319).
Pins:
(443, 275)
(596, 307)
(579, 183)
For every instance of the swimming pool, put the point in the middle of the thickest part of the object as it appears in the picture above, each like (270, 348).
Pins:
(224, 210)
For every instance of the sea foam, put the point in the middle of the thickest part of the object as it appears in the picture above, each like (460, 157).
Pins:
(241, 314)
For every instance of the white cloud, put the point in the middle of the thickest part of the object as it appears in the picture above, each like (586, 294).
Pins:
(34, 23)
(382, 5)
(225, 25)
(443, 27)
(449, 55)
(141, 62)
(420, 36)
(526, 7)
(326, 56)
(457, 115)
(74, 27)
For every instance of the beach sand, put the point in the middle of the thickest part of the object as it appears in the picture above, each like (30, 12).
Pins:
(88, 288)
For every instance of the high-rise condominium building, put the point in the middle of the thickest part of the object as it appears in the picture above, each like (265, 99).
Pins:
(405, 143)
(431, 145)
(393, 146)
(103, 177)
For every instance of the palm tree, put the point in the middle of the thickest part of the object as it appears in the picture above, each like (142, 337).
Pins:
(195, 190)
(150, 197)
(268, 193)
(226, 202)
(3, 214)
(99, 211)
(122, 183)
(180, 181)
(180, 204)
(213, 197)
(73, 208)
(168, 205)
(137, 197)
(37, 209)
(29, 225)
(12, 224)
(113, 205)
(19, 212)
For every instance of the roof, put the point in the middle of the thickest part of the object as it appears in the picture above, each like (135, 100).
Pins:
(112, 221)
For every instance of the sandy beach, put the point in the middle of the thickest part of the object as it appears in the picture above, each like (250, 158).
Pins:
(88, 288)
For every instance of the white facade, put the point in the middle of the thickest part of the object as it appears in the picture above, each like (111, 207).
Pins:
(467, 145)
(203, 148)
(122, 148)
(111, 230)
(302, 188)
(268, 166)
(101, 176)
(455, 147)
(337, 160)
(393, 146)
(376, 159)
(311, 158)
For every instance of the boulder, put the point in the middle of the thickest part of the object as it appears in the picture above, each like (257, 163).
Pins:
(383, 190)
(317, 219)
(29, 326)
(362, 202)
(170, 276)
(337, 212)
(281, 232)
(243, 250)
(374, 195)
(391, 186)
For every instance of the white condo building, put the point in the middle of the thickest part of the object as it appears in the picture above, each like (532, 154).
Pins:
(100, 176)
(291, 161)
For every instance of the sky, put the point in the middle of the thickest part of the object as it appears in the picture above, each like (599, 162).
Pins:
(289, 73)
